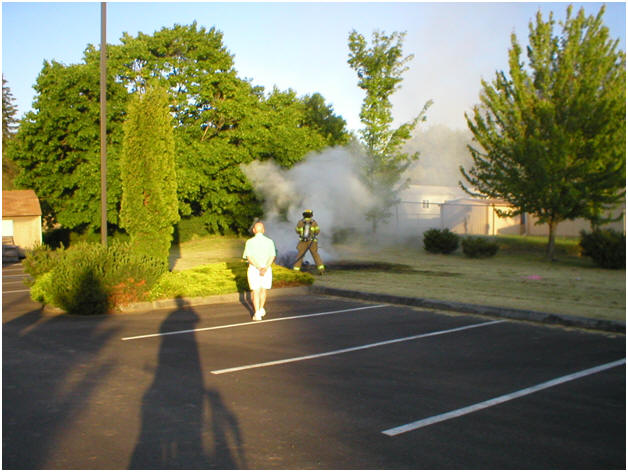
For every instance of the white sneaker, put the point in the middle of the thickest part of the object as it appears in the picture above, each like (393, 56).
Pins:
(262, 313)
(257, 316)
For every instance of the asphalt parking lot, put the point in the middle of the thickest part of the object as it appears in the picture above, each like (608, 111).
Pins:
(322, 383)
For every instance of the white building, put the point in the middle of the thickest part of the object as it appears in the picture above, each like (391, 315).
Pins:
(21, 220)
(420, 206)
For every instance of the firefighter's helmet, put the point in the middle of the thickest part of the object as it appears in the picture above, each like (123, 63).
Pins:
(308, 214)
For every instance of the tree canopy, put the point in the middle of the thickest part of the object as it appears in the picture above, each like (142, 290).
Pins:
(550, 136)
(219, 121)
(9, 123)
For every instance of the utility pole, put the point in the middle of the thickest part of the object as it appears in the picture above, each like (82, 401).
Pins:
(103, 123)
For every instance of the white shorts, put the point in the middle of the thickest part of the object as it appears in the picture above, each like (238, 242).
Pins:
(257, 281)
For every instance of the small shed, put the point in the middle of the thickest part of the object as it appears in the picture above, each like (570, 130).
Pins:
(21, 219)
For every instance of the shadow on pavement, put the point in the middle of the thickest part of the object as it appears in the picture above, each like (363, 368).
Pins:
(183, 424)
(41, 394)
(238, 269)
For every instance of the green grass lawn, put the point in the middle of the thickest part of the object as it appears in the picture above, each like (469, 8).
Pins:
(208, 250)
(517, 277)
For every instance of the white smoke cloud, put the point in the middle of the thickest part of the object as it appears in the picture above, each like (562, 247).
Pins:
(329, 183)
(442, 151)
(326, 182)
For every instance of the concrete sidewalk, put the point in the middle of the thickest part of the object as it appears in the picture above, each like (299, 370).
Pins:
(498, 312)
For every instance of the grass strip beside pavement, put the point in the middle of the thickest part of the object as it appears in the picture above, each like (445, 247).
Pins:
(519, 278)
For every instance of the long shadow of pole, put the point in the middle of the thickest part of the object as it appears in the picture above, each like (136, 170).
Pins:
(175, 427)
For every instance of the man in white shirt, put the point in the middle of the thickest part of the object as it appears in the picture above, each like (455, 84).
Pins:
(260, 251)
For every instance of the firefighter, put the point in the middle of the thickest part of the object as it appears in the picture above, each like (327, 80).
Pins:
(307, 229)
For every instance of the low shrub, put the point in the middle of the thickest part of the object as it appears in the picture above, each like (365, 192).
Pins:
(129, 276)
(440, 241)
(89, 278)
(42, 289)
(81, 291)
(606, 247)
(477, 246)
(218, 279)
(40, 260)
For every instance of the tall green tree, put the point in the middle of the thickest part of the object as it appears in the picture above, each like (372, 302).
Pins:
(9, 124)
(380, 67)
(57, 147)
(149, 208)
(551, 137)
(220, 122)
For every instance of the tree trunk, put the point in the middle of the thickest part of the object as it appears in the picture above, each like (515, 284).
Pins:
(551, 243)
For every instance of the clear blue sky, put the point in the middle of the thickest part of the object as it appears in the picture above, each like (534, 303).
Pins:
(302, 46)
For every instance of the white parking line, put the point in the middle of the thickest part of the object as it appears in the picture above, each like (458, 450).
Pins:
(497, 400)
(249, 323)
(15, 291)
(351, 349)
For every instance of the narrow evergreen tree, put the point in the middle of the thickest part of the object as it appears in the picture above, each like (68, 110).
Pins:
(149, 207)
(551, 138)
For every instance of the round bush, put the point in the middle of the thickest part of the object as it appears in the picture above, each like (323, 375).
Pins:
(440, 241)
(476, 247)
(78, 277)
(606, 247)
(89, 278)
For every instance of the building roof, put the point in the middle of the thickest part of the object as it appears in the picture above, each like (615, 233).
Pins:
(20, 203)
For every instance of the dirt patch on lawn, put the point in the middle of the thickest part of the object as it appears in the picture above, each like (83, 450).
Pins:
(377, 267)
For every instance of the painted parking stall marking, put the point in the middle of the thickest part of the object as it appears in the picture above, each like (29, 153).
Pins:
(249, 323)
(14, 275)
(501, 399)
(352, 349)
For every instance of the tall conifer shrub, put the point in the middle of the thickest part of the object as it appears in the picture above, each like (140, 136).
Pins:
(149, 206)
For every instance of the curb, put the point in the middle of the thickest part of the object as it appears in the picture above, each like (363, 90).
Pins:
(511, 313)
